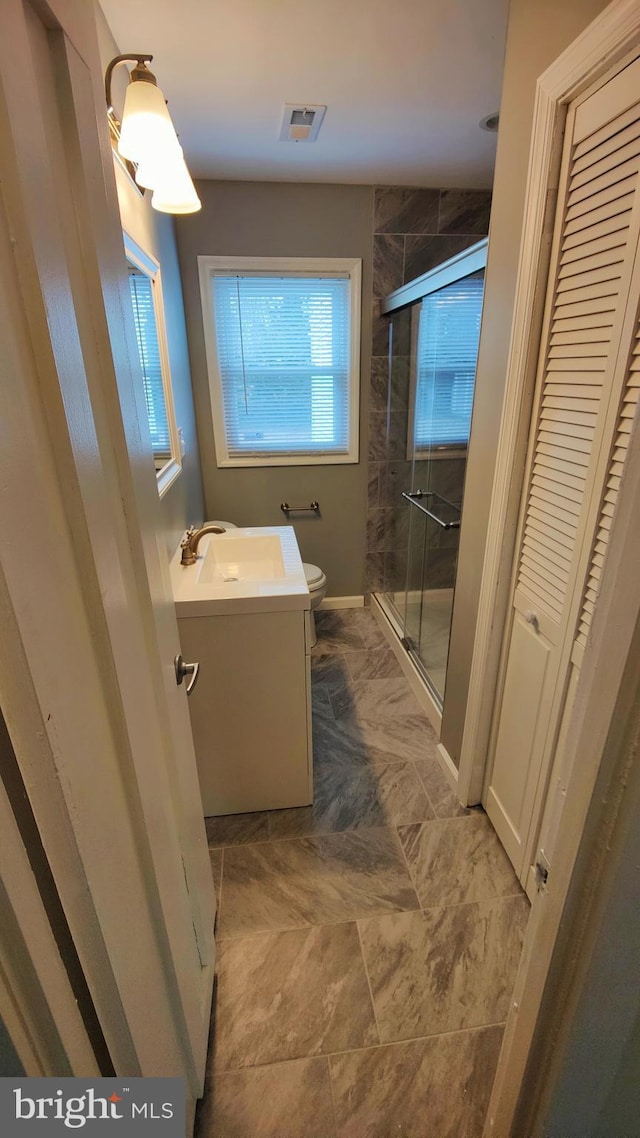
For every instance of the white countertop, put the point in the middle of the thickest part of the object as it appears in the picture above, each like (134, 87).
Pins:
(205, 589)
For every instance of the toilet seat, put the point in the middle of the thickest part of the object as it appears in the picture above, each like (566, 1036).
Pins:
(223, 525)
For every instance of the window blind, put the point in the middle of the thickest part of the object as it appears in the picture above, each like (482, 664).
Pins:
(448, 335)
(283, 347)
(141, 288)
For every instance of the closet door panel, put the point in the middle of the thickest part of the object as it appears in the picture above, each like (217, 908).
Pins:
(523, 712)
(574, 453)
(627, 414)
(619, 450)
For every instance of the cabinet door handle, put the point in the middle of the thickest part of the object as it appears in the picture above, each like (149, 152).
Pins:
(183, 669)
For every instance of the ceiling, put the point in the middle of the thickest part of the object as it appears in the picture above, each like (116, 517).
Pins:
(405, 83)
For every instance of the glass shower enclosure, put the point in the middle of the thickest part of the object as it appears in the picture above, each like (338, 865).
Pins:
(433, 347)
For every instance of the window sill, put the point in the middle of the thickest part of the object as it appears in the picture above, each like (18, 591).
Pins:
(288, 460)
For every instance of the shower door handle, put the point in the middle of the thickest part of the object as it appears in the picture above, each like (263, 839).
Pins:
(412, 498)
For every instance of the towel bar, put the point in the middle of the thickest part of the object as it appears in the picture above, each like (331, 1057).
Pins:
(287, 509)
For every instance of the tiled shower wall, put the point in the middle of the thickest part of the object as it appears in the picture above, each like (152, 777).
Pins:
(414, 230)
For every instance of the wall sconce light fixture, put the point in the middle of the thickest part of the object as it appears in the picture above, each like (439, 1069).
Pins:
(147, 140)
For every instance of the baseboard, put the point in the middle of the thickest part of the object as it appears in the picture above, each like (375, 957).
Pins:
(448, 765)
(356, 602)
(418, 687)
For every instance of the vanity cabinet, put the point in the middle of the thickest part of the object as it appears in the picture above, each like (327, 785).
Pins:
(251, 709)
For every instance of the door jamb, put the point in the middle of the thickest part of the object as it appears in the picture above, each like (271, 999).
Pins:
(37, 1002)
(612, 36)
(597, 754)
(605, 42)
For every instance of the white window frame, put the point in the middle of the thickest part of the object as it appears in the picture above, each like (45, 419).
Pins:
(166, 476)
(294, 266)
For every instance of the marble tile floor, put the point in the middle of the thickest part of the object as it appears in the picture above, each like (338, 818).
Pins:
(367, 945)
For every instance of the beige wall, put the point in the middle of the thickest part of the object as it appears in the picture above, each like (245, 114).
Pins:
(537, 33)
(155, 233)
(279, 219)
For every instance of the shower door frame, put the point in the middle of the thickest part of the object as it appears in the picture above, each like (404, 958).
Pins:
(464, 264)
(470, 260)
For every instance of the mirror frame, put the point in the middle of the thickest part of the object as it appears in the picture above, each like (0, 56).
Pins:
(166, 476)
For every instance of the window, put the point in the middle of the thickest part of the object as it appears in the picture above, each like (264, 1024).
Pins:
(148, 317)
(283, 338)
(447, 351)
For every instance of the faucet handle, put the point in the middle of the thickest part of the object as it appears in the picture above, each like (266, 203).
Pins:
(187, 537)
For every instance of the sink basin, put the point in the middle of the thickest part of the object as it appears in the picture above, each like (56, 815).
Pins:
(252, 557)
(258, 569)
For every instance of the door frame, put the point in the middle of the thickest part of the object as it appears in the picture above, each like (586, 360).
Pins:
(37, 1003)
(85, 595)
(607, 41)
(560, 933)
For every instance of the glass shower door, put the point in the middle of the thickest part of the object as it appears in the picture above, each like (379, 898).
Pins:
(434, 335)
(432, 560)
(445, 335)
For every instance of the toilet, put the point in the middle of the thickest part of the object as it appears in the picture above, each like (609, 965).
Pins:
(316, 583)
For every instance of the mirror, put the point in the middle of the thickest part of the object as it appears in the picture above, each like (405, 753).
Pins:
(145, 290)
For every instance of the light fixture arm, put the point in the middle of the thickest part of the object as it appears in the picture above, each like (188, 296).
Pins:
(141, 71)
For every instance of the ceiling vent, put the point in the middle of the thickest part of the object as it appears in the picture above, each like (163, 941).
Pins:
(301, 122)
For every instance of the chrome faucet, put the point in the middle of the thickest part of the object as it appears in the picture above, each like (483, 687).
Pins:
(191, 540)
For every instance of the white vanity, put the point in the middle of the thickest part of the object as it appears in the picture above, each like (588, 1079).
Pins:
(242, 612)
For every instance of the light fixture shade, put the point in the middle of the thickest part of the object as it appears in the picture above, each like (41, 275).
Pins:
(175, 192)
(159, 168)
(147, 128)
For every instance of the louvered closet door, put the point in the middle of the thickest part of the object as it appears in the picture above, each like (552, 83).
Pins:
(581, 423)
(627, 408)
(618, 458)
